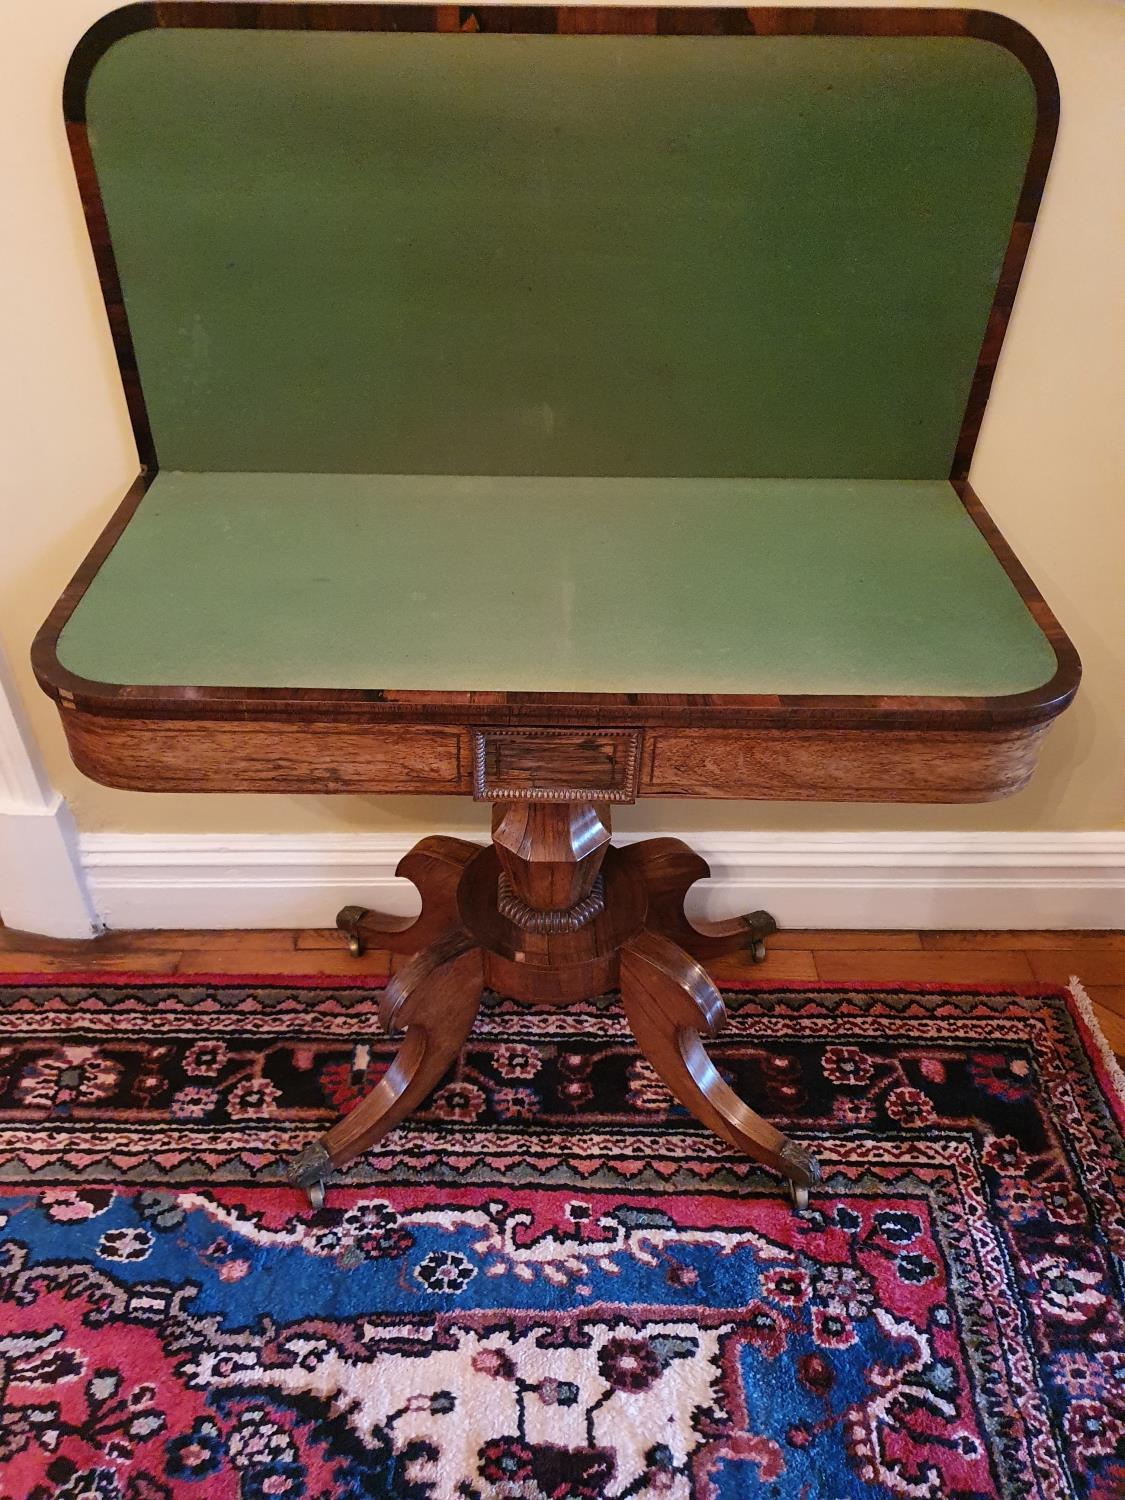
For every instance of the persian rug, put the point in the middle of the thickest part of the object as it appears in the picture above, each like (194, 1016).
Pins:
(553, 1284)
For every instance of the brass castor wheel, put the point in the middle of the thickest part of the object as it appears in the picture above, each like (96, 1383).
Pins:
(761, 926)
(307, 1171)
(802, 1170)
(348, 920)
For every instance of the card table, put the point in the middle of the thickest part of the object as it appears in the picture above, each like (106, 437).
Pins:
(557, 407)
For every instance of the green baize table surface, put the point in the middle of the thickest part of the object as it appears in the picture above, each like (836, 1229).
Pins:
(639, 585)
(558, 255)
(420, 260)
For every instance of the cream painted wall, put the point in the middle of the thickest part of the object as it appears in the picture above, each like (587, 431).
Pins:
(1050, 464)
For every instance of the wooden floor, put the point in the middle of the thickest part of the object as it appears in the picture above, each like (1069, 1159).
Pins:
(1098, 958)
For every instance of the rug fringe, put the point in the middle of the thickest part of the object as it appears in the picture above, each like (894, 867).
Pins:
(1085, 1008)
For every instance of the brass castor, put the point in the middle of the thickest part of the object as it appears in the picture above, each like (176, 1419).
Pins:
(761, 926)
(802, 1169)
(308, 1169)
(348, 920)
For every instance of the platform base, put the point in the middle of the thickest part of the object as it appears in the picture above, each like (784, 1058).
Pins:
(552, 913)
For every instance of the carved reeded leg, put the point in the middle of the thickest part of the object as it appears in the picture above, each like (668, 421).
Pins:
(435, 865)
(435, 996)
(669, 1001)
(669, 869)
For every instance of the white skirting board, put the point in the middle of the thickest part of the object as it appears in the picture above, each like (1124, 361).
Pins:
(41, 885)
(875, 880)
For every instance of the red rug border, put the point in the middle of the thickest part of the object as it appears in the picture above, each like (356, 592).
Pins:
(277, 979)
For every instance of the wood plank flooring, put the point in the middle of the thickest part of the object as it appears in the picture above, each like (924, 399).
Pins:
(1098, 958)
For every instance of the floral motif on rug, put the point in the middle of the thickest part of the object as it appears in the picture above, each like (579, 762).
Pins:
(552, 1284)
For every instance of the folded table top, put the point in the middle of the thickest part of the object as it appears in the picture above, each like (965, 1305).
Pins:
(563, 356)
(380, 252)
